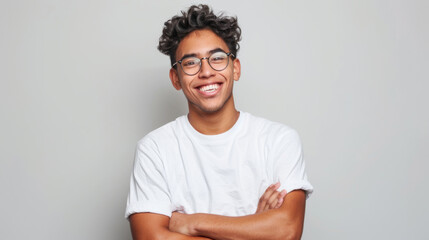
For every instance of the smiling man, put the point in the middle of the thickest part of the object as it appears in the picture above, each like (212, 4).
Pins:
(216, 173)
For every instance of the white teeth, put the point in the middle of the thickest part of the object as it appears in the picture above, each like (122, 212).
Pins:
(209, 88)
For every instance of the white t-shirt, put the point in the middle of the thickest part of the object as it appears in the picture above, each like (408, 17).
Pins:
(177, 168)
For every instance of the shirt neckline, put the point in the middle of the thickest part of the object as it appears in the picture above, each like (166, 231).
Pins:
(217, 137)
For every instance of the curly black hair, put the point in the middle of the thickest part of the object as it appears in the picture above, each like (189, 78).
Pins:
(198, 17)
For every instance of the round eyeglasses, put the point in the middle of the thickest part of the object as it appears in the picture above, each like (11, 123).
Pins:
(192, 65)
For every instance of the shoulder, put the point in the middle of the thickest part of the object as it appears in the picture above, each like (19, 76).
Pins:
(270, 129)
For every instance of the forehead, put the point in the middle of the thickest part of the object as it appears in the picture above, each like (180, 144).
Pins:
(200, 43)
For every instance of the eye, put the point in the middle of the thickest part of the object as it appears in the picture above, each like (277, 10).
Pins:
(218, 57)
(190, 62)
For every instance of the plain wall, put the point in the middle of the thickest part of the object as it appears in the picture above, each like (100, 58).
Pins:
(82, 82)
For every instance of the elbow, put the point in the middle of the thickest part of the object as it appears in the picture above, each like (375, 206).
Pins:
(156, 236)
(290, 233)
(293, 236)
(165, 235)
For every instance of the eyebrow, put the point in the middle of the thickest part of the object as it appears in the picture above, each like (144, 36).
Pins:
(195, 55)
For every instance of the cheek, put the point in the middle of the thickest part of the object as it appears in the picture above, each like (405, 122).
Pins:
(228, 74)
(185, 83)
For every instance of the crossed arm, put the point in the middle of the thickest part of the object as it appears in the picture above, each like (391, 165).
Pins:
(279, 216)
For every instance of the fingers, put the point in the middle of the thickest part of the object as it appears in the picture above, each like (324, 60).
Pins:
(273, 201)
(280, 199)
(269, 198)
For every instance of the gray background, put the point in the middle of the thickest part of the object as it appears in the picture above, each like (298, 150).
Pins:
(82, 82)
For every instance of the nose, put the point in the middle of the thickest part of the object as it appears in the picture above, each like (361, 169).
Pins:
(206, 70)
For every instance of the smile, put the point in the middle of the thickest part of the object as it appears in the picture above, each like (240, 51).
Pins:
(209, 88)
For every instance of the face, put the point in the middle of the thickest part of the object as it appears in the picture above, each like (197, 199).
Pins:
(209, 90)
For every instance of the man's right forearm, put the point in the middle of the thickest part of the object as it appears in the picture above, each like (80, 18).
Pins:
(155, 226)
(285, 222)
(151, 226)
(168, 235)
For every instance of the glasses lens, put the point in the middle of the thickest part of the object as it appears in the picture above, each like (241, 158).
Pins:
(218, 61)
(191, 65)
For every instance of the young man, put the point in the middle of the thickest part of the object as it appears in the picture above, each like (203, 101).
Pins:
(216, 173)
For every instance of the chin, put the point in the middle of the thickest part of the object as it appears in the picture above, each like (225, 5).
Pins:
(210, 109)
(206, 108)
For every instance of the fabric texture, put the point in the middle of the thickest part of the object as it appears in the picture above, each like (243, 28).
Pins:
(177, 168)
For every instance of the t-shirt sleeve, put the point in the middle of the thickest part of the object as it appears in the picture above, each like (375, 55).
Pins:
(288, 162)
(148, 187)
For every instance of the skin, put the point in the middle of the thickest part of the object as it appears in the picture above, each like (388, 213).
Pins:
(207, 114)
(271, 199)
(285, 222)
(278, 215)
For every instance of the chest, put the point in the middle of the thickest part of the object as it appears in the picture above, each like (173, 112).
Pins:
(225, 179)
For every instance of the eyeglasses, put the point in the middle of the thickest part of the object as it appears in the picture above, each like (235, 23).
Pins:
(192, 65)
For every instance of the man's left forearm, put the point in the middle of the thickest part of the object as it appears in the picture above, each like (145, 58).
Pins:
(285, 222)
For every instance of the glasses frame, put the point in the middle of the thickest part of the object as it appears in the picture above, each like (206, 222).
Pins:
(201, 63)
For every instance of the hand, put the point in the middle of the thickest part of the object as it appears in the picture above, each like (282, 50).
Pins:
(180, 223)
(271, 198)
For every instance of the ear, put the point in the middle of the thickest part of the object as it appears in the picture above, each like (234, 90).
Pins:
(237, 69)
(175, 79)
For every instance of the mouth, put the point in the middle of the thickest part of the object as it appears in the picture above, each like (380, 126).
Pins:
(209, 88)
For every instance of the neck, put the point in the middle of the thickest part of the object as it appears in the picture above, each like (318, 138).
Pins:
(212, 123)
